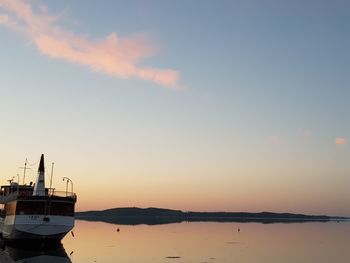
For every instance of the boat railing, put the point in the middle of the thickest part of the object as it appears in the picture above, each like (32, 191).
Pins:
(47, 192)
(29, 194)
(53, 192)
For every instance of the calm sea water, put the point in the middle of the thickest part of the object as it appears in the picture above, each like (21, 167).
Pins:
(199, 243)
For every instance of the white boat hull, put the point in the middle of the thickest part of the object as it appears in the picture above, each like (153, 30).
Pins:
(35, 227)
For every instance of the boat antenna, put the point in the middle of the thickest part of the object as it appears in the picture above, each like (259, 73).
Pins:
(51, 175)
(25, 168)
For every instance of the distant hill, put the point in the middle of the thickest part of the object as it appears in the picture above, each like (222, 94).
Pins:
(154, 216)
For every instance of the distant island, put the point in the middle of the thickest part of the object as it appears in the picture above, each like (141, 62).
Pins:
(155, 216)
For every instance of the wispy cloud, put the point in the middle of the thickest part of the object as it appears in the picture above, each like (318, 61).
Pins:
(340, 141)
(111, 55)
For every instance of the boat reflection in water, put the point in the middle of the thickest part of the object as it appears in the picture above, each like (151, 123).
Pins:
(52, 255)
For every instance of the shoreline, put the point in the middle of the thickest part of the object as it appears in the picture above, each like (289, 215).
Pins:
(160, 220)
(154, 216)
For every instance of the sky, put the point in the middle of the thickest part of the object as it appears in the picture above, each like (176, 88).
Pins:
(191, 105)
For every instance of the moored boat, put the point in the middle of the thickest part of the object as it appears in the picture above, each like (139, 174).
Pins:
(34, 212)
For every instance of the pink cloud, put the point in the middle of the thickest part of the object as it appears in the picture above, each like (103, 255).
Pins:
(111, 55)
(340, 141)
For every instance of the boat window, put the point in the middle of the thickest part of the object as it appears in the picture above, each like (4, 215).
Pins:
(30, 207)
(62, 208)
(45, 208)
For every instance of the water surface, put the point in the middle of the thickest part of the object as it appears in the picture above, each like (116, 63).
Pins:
(203, 242)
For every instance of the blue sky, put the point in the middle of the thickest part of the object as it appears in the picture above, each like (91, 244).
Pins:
(260, 101)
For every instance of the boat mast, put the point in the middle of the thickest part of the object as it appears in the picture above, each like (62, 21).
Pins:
(51, 176)
(24, 170)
